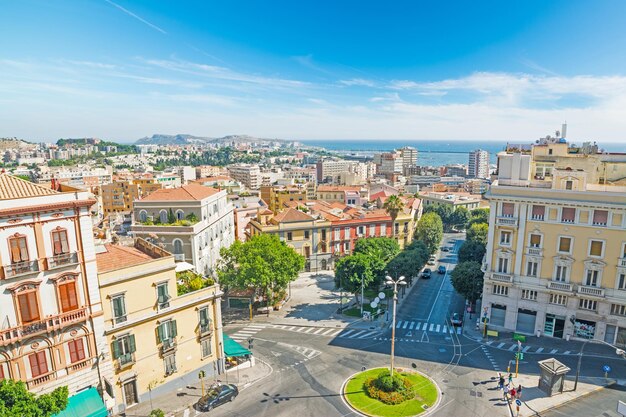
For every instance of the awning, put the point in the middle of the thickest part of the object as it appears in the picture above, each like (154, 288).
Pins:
(84, 404)
(232, 348)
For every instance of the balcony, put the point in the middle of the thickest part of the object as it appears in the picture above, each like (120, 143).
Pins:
(179, 257)
(537, 217)
(168, 346)
(506, 221)
(15, 334)
(560, 286)
(75, 367)
(124, 361)
(593, 291)
(532, 251)
(20, 268)
(64, 259)
(500, 277)
(42, 379)
(621, 262)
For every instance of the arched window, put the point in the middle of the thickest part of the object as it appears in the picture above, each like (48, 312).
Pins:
(178, 247)
(180, 215)
(163, 216)
(143, 216)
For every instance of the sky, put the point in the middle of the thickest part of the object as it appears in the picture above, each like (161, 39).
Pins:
(350, 69)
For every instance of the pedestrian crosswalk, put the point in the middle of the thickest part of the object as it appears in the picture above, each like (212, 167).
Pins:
(247, 332)
(513, 347)
(425, 326)
(330, 332)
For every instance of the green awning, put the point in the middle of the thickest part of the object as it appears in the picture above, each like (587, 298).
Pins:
(84, 404)
(232, 348)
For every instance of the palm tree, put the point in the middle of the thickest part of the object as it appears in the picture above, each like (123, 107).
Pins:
(393, 205)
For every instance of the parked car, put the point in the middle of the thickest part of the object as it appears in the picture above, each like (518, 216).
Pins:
(445, 249)
(217, 396)
(431, 261)
(441, 269)
(456, 320)
(426, 273)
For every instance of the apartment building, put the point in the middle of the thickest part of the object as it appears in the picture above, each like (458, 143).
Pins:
(221, 182)
(454, 199)
(408, 155)
(82, 176)
(478, 164)
(556, 254)
(328, 170)
(275, 196)
(247, 174)
(158, 328)
(204, 171)
(389, 163)
(349, 195)
(119, 196)
(49, 301)
(193, 222)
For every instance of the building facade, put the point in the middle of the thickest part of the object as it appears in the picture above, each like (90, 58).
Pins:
(478, 164)
(158, 329)
(556, 254)
(247, 174)
(49, 301)
(328, 170)
(119, 196)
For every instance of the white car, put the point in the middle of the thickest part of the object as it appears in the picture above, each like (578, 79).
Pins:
(431, 261)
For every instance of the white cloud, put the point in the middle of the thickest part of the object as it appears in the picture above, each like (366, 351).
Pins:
(358, 82)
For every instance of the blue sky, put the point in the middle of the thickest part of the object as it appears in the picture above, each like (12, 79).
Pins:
(500, 70)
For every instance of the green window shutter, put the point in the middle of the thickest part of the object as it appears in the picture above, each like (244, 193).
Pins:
(131, 343)
(204, 317)
(173, 329)
(116, 349)
(160, 332)
(161, 294)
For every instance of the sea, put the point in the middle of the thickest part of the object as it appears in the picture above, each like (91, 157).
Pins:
(430, 152)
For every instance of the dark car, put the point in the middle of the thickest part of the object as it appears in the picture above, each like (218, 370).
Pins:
(441, 269)
(456, 320)
(445, 249)
(217, 396)
(426, 273)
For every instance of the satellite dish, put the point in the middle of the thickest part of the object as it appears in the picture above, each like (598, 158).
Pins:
(381, 295)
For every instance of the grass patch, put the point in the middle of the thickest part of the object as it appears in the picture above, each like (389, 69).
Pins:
(371, 293)
(356, 311)
(426, 394)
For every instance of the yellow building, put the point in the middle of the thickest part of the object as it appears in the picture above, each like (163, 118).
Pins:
(118, 196)
(276, 196)
(157, 328)
(556, 254)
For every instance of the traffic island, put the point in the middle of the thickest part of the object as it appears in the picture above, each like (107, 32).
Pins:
(375, 393)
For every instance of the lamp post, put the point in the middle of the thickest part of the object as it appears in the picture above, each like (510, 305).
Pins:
(390, 281)
(618, 352)
(362, 296)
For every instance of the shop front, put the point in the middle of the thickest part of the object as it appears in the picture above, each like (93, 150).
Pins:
(554, 326)
(237, 356)
(584, 329)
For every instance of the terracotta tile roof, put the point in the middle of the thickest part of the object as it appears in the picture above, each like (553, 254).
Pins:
(12, 187)
(118, 257)
(213, 179)
(291, 215)
(380, 194)
(190, 192)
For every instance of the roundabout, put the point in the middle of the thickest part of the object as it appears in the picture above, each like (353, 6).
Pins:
(375, 393)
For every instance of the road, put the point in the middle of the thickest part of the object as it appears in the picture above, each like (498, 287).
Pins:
(601, 404)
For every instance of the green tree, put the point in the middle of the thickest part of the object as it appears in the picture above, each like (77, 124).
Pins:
(480, 215)
(354, 271)
(17, 401)
(477, 232)
(410, 261)
(471, 250)
(459, 218)
(263, 263)
(393, 205)
(430, 231)
(380, 250)
(171, 219)
(467, 280)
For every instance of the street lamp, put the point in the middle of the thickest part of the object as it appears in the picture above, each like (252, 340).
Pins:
(390, 281)
(618, 352)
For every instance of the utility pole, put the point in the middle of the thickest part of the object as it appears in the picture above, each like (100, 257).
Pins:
(390, 281)
(362, 296)
(519, 352)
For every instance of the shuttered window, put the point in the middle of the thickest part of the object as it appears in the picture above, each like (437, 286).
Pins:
(565, 244)
(596, 248)
(508, 209)
(67, 294)
(167, 330)
(19, 250)
(163, 296)
(600, 217)
(538, 212)
(38, 363)
(28, 307)
(119, 309)
(535, 241)
(59, 242)
(124, 345)
(77, 350)
(568, 215)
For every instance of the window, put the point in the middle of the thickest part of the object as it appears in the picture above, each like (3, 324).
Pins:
(565, 244)
(205, 320)
(558, 299)
(561, 273)
(346, 233)
(167, 331)
(123, 348)
(306, 234)
(337, 247)
(38, 363)
(383, 230)
(595, 248)
(59, 242)
(529, 295)
(323, 234)
(538, 212)
(180, 215)
(621, 281)
(19, 250)
(568, 185)
(289, 236)
(337, 234)
(600, 217)
(568, 215)
(373, 230)
(531, 268)
(119, 309)
(77, 350)
(501, 290)
(68, 296)
(361, 230)
(27, 302)
(205, 348)
(346, 247)
(618, 310)
(505, 238)
(178, 247)
(397, 228)
(143, 216)
(503, 265)
(535, 241)
(2, 372)
(586, 304)
(163, 296)
(170, 364)
(508, 209)
(163, 216)
(591, 280)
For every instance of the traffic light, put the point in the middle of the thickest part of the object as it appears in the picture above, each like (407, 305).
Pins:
(201, 374)
(250, 340)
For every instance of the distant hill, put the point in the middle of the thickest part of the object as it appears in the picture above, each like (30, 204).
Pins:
(182, 139)
(13, 143)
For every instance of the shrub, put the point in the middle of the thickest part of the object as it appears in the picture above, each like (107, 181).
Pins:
(389, 390)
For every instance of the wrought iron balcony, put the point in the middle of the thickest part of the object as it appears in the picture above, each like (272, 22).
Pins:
(168, 345)
(20, 268)
(64, 259)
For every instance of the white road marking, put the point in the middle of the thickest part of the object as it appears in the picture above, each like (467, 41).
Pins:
(412, 324)
(406, 323)
(347, 333)
(553, 351)
(512, 348)
(356, 334)
(500, 345)
(539, 350)
(425, 326)
(432, 325)
(438, 327)
(567, 352)
(399, 324)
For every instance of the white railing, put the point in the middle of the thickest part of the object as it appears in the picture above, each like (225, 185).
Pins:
(497, 276)
(594, 291)
(535, 251)
(559, 286)
(621, 261)
(506, 221)
(179, 257)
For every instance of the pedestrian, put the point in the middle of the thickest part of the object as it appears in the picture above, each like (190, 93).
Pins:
(519, 392)
(512, 393)
(500, 381)
(510, 378)
(505, 392)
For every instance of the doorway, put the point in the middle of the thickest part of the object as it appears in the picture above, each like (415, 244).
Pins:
(130, 393)
(555, 325)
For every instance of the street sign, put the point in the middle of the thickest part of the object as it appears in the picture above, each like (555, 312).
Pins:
(519, 337)
(519, 355)
(493, 333)
(518, 403)
(606, 368)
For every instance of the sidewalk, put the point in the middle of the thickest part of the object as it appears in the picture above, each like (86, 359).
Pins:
(175, 403)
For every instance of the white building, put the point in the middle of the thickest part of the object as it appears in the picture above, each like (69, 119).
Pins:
(328, 170)
(408, 155)
(247, 174)
(478, 164)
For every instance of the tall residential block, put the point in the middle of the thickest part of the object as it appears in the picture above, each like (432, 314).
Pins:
(247, 174)
(478, 164)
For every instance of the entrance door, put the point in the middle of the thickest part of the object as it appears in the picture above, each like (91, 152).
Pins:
(548, 328)
(130, 393)
(526, 321)
(609, 335)
(559, 326)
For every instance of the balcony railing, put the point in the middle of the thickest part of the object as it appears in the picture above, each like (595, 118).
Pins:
(42, 379)
(168, 345)
(537, 217)
(64, 259)
(593, 291)
(621, 261)
(498, 276)
(21, 268)
(559, 286)
(124, 361)
(80, 365)
(179, 257)
(15, 334)
(506, 221)
(534, 251)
